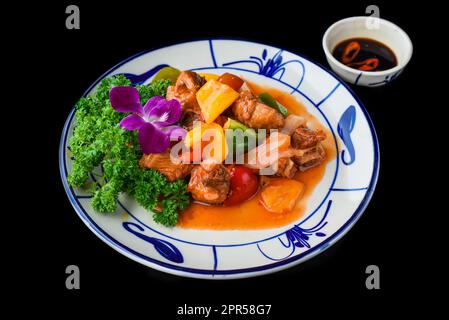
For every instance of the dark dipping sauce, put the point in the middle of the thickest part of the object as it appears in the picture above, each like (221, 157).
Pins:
(365, 54)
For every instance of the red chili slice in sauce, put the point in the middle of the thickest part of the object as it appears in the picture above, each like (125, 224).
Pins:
(365, 65)
(365, 54)
(350, 52)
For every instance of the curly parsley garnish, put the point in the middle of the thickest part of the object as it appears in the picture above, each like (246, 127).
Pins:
(99, 141)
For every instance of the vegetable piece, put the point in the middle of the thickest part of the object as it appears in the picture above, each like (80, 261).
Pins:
(244, 185)
(279, 140)
(207, 140)
(234, 124)
(209, 76)
(281, 195)
(214, 98)
(215, 145)
(267, 99)
(241, 140)
(168, 73)
(241, 135)
(292, 122)
(98, 140)
(268, 152)
(231, 80)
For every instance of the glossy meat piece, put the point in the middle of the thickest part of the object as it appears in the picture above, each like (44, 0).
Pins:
(286, 168)
(209, 182)
(187, 84)
(304, 138)
(221, 120)
(250, 111)
(163, 164)
(189, 117)
(311, 157)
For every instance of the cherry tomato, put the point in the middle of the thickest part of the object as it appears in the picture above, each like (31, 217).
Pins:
(244, 185)
(231, 80)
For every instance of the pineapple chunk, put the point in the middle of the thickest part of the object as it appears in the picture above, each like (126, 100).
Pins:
(209, 136)
(214, 98)
(209, 76)
(281, 195)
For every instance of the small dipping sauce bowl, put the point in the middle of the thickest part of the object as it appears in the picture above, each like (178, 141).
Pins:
(381, 30)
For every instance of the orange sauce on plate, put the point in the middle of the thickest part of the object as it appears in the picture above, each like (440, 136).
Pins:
(251, 214)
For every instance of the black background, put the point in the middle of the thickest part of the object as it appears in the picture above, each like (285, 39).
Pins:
(66, 62)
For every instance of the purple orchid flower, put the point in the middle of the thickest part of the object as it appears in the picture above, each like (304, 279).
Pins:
(155, 121)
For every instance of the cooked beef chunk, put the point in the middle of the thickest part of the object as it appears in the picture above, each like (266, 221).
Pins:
(163, 164)
(286, 168)
(250, 111)
(304, 138)
(189, 117)
(311, 157)
(309, 140)
(187, 84)
(209, 182)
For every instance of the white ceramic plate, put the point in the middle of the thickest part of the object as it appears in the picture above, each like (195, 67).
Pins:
(335, 205)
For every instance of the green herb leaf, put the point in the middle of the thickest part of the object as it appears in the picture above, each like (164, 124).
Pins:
(98, 140)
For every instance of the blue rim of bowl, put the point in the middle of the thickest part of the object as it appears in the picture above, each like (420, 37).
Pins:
(235, 273)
